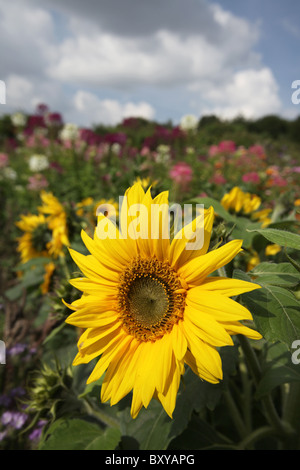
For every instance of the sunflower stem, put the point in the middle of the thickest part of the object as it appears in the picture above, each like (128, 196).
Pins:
(100, 415)
(258, 434)
(282, 428)
(235, 414)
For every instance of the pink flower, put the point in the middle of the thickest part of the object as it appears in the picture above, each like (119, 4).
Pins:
(181, 173)
(213, 150)
(257, 150)
(3, 160)
(251, 177)
(227, 146)
(37, 182)
(218, 179)
(279, 181)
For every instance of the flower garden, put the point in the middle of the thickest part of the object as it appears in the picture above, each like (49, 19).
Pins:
(140, 344)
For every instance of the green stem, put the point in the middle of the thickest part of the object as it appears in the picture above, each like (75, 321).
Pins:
(247, 395)
(100, 415)
(270, 411)
(235, 414)
(292, 413)
(256, 435)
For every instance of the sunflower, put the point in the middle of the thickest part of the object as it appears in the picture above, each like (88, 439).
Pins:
(57, 222)
(247, 204)
(36, 238)
(149, 305)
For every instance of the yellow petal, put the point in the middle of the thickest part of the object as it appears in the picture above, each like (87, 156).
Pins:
(205, 327)
(206, 354)
(93, 269)
(199, 229)
(198, 368)
(92, 287)
(226, 286)
(86, 318)
(94, 341)
(179, 342)
(196, 270)
(221, 308)
(108, 355)
(236, 328)
(168, 398)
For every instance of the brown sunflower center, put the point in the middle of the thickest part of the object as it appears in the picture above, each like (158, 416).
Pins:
(150, 298)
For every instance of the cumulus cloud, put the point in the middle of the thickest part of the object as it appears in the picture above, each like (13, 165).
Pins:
(101, 61)
(163, 57)
(89, 106)
(250, 93)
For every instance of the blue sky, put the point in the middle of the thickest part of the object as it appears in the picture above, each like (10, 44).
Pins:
(279, 41)
(99, 61)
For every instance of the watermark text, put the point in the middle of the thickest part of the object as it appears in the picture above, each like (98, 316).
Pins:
(2, 352)
(2, 92)
(153, 221)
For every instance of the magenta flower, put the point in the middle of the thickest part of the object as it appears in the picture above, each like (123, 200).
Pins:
(251, 177)
(227, 146)
(181, 173)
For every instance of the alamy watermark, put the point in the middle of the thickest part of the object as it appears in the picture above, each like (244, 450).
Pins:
(296, 94)
(296, 353)
(2, 352)
(2, 92)
(153, 221)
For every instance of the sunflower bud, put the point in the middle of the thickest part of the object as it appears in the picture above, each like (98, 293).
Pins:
(51, 391)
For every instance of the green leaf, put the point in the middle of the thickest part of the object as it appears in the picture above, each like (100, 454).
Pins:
(281, 237)
(282, 274)
(108, 441)
(276, 311)
(275, 376)
(151, 427)
(78, 434)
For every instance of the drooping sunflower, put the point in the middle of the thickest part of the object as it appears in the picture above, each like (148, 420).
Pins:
(149, 305)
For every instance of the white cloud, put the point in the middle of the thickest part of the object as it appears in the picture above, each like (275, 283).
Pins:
(92, 109)
(251, 93)
(162, 58)
(56, 52)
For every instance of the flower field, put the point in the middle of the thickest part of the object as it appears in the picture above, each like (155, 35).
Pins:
(120, 344)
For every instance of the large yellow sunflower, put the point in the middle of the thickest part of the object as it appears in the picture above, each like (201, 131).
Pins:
(149, 306)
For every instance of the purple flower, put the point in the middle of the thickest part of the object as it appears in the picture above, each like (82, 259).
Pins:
(6, 418)
(36, 433)
(17, 349)
(16, 419)
(19, 419)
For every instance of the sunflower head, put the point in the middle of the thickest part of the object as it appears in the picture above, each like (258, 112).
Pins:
(36, 237)
(152, 304)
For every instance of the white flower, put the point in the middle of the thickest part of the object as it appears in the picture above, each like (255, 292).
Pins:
(9, 173)
(115, 148)
(163, 153)
(38, 163)
(189, 122)
(18, 119)
(69, 132)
